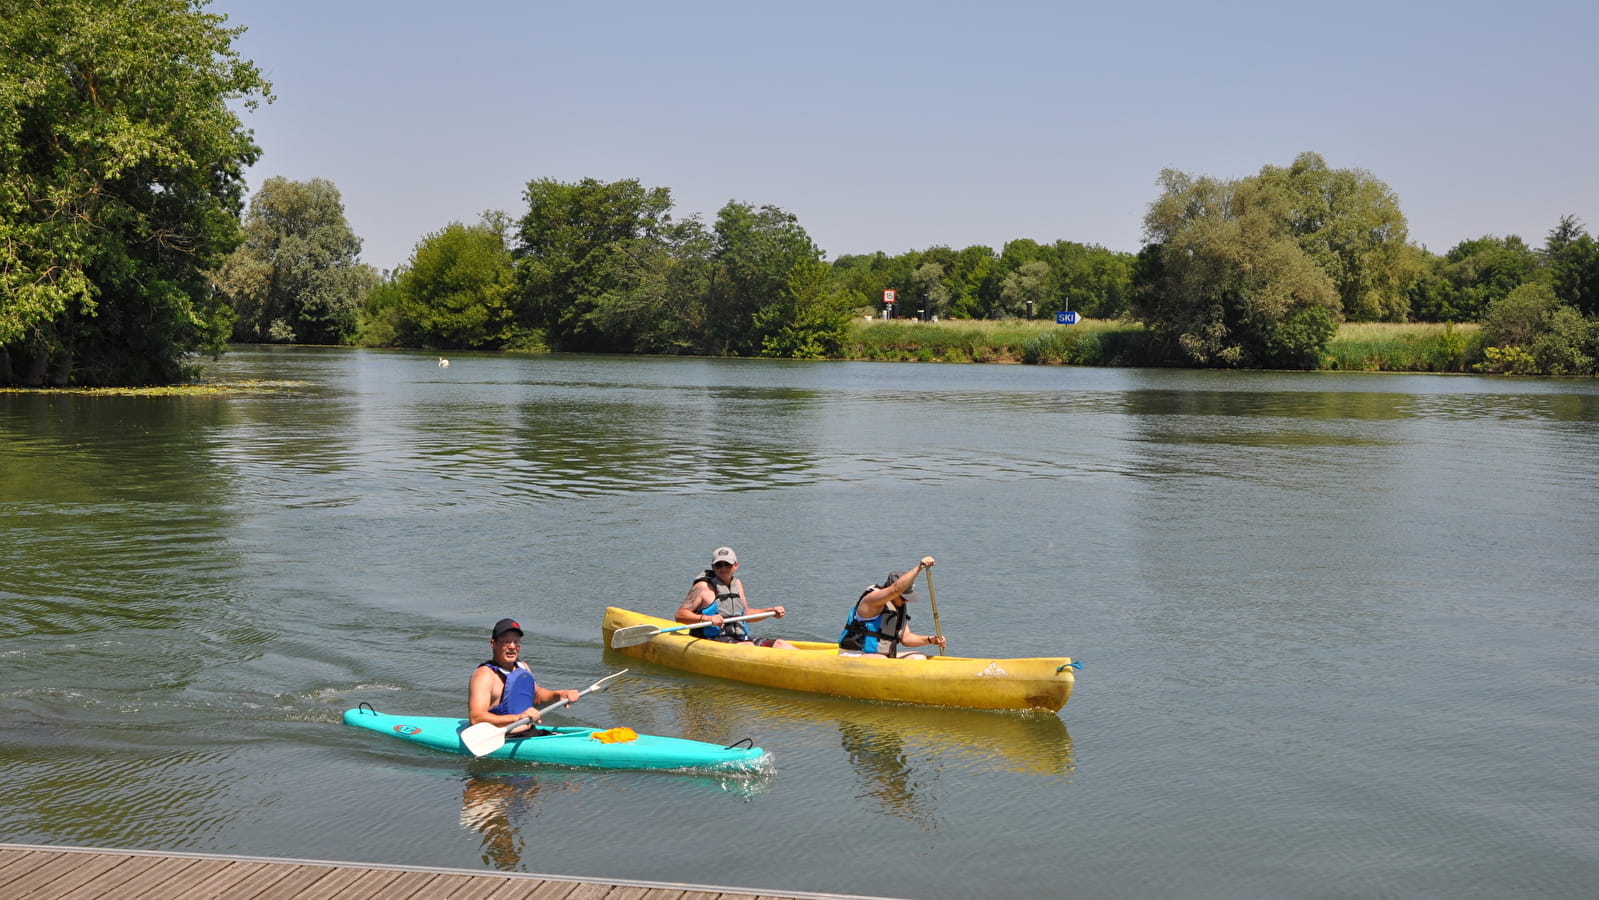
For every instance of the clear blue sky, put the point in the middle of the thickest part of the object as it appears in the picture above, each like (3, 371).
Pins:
(896, 126)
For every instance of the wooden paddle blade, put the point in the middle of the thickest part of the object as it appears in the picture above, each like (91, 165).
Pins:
(632, 635)
(483, 738)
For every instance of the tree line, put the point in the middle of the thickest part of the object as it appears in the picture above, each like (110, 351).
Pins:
(127, 248)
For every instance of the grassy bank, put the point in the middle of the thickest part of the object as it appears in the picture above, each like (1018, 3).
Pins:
(1359, 347)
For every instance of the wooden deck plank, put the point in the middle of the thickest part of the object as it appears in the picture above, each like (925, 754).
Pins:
(257, 882)
(373, 883)
(16, 863)
(164, 872)
(331, 881)
(418, 885)
(488, 887)
(59, 873)
(551, 890)
(67, 875)
(224, 881)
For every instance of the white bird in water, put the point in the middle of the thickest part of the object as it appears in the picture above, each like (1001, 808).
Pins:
(444, 363)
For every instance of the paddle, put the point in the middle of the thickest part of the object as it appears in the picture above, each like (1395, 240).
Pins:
(633, 635)
(486, 737)
(932, 601)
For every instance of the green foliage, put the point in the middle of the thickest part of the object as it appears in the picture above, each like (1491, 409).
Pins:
(455, 292)
(297, 276)
(1386, 347)
(810, 319)
(756, 254)
(121, 180)
(589, 257)
(1225, 271)
(1023, 292)
(1460, 285)
(1298, 340)
(1350, 225)
(1532, 331)
(1572, 257)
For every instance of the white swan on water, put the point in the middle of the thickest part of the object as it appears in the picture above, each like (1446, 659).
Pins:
(444, 363)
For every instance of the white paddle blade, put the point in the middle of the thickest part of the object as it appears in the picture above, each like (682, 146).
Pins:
(484, 738)
(632, 635)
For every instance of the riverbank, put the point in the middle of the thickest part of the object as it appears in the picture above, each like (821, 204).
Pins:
(1357, 347)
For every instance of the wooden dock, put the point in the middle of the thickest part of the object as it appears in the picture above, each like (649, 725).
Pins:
(44, 872)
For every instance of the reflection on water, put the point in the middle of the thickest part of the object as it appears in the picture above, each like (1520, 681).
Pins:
(502, 806)
(900, 754)
(496, 806)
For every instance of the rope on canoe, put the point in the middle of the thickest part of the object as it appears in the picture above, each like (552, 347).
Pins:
(1074, 664)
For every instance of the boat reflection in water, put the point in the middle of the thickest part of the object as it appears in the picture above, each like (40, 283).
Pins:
(494, 805)
(899, 752)
(500, 797)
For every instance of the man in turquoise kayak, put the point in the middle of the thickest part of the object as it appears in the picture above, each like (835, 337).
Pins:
(503, 689)
(718, 595)
(879, 622)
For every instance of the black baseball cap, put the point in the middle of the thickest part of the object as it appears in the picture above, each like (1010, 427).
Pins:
(505, 625)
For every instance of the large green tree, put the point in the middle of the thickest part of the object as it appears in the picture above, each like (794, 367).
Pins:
(756, 251)
(455, 293)
(1572, 257)
(298, 274)
(590, 257)
(1350, 224)
(121, 181)
(1225, 281)
(1460, 285)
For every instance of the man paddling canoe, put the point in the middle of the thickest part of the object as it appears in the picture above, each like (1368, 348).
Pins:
(503, 689)
(879, 622)
(718, 595)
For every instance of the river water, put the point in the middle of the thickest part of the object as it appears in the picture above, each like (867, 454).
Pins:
(1338, 631)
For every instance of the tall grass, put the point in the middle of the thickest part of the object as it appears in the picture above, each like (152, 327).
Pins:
(1360, 347)
(982, 340)
(1390, 347)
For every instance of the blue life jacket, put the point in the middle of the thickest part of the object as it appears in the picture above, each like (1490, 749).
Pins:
(517, 694)
(732, 597)
(875, 635)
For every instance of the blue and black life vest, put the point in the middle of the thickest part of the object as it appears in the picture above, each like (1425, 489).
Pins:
(877, 633)
(729, 602)
(518, 692)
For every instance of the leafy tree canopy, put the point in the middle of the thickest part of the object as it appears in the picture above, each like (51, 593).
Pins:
(587, 256)
(455, 293)
(297, 276)
(1225, 272)
(121, 180)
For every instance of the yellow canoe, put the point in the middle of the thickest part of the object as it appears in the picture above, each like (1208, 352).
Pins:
(1044, 683)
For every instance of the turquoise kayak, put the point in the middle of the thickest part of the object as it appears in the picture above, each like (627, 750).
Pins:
(614, 748)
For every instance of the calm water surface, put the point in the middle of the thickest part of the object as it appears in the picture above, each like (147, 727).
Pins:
(1338, 632)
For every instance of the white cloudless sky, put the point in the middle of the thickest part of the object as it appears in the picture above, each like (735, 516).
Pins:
(894, 126)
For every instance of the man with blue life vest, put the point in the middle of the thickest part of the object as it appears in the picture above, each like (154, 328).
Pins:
(503, 689)
(879, 622)
(718, 595)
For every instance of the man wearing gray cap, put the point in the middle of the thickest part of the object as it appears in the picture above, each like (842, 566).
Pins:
(879, 622)
(718, 595)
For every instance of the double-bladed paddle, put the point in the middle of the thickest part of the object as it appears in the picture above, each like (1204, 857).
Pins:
(485, 737)
(637, 634)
